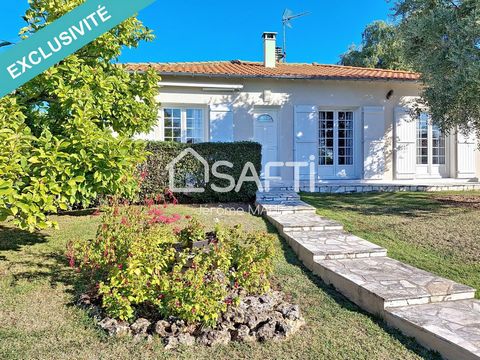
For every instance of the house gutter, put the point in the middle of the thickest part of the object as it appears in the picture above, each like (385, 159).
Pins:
(288, 77)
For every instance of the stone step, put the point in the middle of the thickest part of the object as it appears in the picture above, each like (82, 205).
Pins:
(284, 207)
(302, 222)
(378, 283)
(311, 246)
(277, 196)
(452, 328)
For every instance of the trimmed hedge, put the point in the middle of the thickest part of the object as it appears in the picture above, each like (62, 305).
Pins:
(189, 171)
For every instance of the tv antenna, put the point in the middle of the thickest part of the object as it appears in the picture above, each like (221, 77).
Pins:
(287, 17)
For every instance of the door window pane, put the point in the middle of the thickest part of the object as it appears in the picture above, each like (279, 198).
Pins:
(345, 138)
(438, 146)
(336, 138)
(431, 143)
(422, 140)
(172, 125)
(194, 133)
(326, 142)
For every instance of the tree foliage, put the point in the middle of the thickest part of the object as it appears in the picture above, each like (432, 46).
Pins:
(381, 48)
(66, 135)
(441, 39)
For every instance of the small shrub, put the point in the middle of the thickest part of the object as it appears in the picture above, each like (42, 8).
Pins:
(140, 261)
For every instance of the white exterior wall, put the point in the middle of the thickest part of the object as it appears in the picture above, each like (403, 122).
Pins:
(284, 95)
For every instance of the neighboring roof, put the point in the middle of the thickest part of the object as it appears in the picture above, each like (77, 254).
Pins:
(248, 69)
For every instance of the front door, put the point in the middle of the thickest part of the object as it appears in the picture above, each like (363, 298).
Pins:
(336, 145)
(265, 133)
(431, 149)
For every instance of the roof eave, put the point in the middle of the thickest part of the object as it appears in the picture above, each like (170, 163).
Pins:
(284, 77)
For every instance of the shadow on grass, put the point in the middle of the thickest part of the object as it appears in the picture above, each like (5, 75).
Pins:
(52, 266)
(83, 212)
(384, 203)
(12, 239)
(409, 343)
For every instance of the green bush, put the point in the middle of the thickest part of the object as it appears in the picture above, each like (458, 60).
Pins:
(139, 261)
(190, 171)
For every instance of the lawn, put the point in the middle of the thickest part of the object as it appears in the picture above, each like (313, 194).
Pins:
(437, 232)
(38, 318)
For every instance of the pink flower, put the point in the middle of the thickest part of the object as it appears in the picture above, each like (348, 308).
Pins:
(120, 266)
(149, 202)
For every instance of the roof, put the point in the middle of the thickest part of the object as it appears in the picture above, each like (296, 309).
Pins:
(248, 69)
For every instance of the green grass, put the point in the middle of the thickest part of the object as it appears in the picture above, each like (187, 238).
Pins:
(38, 318)
(416, 228)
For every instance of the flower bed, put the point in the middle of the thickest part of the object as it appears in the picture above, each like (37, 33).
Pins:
(145, 270)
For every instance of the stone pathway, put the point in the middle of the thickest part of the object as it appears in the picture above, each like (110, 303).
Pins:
(441, 314)
(302, 222)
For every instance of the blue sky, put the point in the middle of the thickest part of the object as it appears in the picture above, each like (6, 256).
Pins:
(193, 30)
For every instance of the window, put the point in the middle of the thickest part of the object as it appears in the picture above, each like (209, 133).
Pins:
(430, 142)
(173, 125)
(326, 137)
(194, 126)
(345, 138)
(265, 118)
(438, 146)
(183, 125)
(422, 140)
(336, 138)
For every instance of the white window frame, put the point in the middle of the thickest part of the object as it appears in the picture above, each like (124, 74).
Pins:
(336, 137)
(183, 119)
(430, 169)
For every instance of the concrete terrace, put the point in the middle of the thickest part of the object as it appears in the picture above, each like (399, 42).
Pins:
(356, 186)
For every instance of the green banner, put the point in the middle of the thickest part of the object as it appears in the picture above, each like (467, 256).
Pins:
(61, 38)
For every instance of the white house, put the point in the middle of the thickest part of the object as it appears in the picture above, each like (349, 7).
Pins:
(354, 122)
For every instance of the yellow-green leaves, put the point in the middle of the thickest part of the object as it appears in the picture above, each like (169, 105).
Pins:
(57, 147)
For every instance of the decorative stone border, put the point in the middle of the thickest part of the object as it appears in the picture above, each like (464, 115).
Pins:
(257, 318)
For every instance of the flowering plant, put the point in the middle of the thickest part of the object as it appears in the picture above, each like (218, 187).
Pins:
(139, 261)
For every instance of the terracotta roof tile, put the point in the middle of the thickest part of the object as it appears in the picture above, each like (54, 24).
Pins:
(247, 69)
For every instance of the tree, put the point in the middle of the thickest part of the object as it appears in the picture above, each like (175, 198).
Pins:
(441, 39)
(381, 48)
(66, 135)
